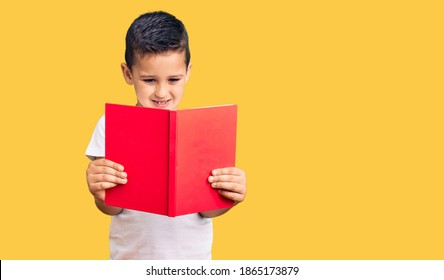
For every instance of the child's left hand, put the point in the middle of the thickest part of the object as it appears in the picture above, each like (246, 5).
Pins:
(230, 182)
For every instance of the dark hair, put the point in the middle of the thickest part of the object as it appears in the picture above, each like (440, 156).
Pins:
(156, 32)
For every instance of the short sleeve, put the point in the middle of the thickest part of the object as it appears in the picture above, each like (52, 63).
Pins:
(96, 146)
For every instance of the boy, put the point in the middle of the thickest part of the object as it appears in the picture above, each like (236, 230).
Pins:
(158, 65)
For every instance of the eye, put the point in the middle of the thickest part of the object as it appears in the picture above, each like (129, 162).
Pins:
(149, 81)
(173, 80)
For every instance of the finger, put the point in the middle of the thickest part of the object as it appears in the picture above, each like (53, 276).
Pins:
(97, 170)
(106, 178)
(232, 187)
(227, 171)
(111, 171)
(108, 163)
(224, 178)
(235, 197)
(101, 186)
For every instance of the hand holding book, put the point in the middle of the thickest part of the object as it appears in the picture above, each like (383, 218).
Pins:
(103, 174)
(230, 182)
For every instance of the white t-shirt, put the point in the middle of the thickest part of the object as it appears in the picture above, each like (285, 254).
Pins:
(140, 235)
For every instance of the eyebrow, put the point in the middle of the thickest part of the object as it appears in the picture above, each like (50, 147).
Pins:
(154, 76)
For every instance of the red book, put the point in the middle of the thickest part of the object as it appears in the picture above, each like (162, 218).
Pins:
(168, 156)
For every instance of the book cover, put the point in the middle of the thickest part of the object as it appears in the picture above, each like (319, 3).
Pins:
(169, 155)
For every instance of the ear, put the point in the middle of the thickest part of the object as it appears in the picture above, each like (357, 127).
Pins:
(127, 75)
(188, 72)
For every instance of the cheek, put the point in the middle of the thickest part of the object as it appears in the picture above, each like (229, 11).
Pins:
(178, 92)
(142, 90)
(178, 96)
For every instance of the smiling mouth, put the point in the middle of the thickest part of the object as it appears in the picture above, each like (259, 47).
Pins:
(161, 103)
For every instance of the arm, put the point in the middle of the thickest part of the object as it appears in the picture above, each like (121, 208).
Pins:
(231, 182)
(103, 174)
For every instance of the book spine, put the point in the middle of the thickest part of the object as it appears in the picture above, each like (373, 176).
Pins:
(172, 164)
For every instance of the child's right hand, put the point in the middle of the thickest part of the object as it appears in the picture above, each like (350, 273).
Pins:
(103, 174)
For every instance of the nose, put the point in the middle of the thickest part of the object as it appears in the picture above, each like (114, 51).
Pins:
(162, 91)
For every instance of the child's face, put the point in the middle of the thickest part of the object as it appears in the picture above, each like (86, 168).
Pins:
(158, 79)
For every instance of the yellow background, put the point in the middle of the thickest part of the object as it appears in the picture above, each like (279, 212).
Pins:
(340, 123)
